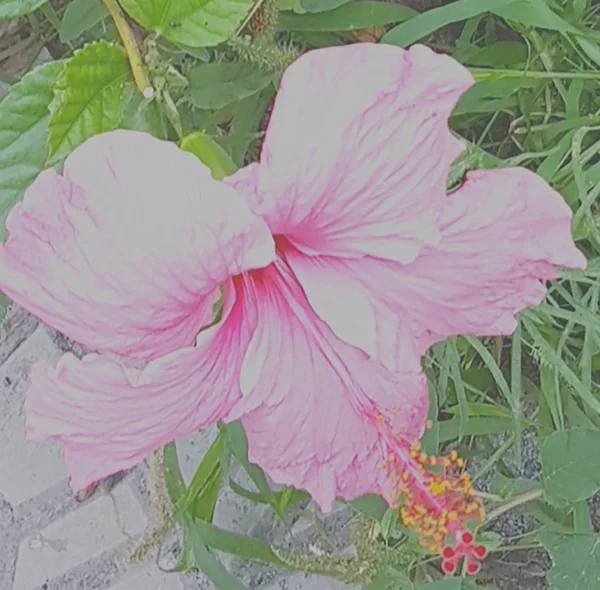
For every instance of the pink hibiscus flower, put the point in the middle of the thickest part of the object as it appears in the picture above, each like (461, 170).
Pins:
(340, 260)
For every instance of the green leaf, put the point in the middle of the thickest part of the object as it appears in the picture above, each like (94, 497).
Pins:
(174, 481)
(347, 18)
(4, 305)
(427, 22)
(575, 561)
(196, 23)
(322, 5)
(79, 16)
(24, 134)
(450, 584)
(214, 86)
(372, 506)
(140, 114)
(88, 97)
(210, 153)
(201, 557)
(14, 8)
(534, 13)
(571, 466)
(389, 578)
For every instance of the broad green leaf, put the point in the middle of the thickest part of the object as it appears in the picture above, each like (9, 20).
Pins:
(372, 506)
(79, 16)
(214, 86)
(141, 114)
(534, 13)
(450, 429)
(88, 97)
(389, 578)
(295, 5)
(322, 5)
(575, 561)
(210, 153)
(571, 466)
(14, 8)
(347, 18)
(196, 23)
(427, 22)
(24, 134)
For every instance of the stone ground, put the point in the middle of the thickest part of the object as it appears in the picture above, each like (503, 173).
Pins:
(49, 541)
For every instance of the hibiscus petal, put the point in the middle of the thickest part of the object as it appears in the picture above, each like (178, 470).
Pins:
(126, 251)
(311, 402)
(109, 417)
(357, 150)
(503, 233)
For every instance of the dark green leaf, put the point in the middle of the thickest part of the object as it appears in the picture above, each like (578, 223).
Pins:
(575, 559)
(347, 18)
(14, 8)
(24, 134)
(4, 305)
(196, 23)
(373, 507)
(88, 97)
(430, 21)
(79, 16)
(209, 152)
(571, 466)
(141, 114)
(214, 86)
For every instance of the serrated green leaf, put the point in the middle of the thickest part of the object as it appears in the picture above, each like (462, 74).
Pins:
(196, 23)
(210, 153)
(571, 466)
(214, 86)
(24, 135)
(14, 8)
(350, 17)
(322, 5)
(88, 97)
(79, 16)
(575, 561)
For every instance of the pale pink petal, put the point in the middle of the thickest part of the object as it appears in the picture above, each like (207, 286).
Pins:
(357, 150)
(503, 234)
(312, 403)
(109, 417)
(126, 251)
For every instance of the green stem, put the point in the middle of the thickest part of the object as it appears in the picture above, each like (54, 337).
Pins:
(516, 501)
(48, 11)
(142, 81)
(485, 73)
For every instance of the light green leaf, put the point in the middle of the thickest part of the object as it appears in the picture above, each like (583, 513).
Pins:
(427, 22)
(24, 134)
(197, 23)
(210, 153)
(79, 16)
(571, 466)
(450, 584)
(88, 97)
(141, 114)
(575, 561)
(4, 305)
(322, 5)
(295, 5)
(14, 8)
(389, 578)
(214, 86)
(372, 506)
(350, 17)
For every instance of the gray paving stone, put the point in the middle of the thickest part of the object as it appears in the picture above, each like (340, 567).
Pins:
(101, 525)
(150, 579)
(17, 326)
(27, 468)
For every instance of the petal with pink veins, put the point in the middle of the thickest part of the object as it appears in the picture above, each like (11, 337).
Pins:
(357, 151)
(503, 233)
(311, 403)
(126, 251)
(108, 417)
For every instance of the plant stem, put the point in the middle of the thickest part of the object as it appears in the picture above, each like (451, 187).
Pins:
(484, 73)
(142, 81)
(516, 501)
